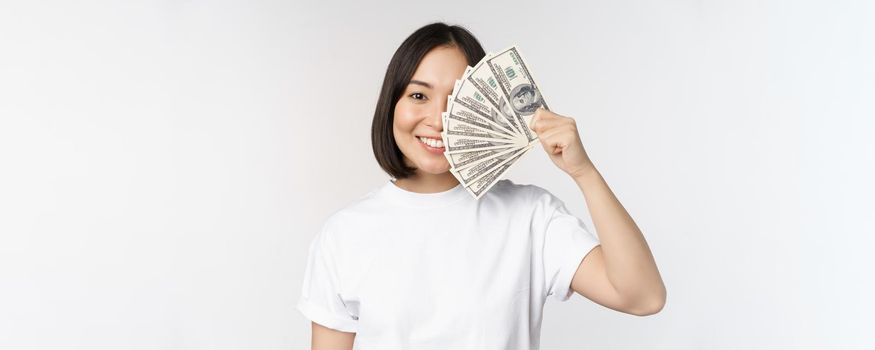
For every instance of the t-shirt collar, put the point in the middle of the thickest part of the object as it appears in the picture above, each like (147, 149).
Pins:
(397, 194)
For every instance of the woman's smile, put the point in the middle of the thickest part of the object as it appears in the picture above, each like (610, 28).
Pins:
(432, 145)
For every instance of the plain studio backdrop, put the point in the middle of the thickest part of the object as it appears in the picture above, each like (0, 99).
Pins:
(165, 164)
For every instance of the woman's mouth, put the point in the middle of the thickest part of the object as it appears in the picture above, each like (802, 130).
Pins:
(432, 145)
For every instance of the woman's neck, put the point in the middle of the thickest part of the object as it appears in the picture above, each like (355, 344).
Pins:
(428, 183)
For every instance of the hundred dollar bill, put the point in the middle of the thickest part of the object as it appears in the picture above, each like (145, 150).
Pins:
(479, 187)
(457, 145)
(484, 80)
(516, 83)
(466, 159)
(452, 137)
(461, 114)
(464, 115)
(496, 162)
(468, 96)
(466, 140)
(472, 173)
(486, 124)
(454, 126)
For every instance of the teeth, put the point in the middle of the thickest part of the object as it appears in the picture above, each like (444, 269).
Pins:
(432, 142)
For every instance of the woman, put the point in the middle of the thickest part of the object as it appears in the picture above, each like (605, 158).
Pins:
(419, 264)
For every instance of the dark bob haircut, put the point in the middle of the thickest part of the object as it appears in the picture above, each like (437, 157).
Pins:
(398, 75)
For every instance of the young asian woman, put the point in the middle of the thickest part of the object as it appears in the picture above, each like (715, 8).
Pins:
(418, 264)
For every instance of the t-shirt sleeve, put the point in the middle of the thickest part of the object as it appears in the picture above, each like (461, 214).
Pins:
(567, 240)
(320, 298)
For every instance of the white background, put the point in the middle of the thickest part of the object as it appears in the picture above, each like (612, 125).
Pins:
(164, 164)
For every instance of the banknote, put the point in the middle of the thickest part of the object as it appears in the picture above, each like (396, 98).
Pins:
(466, 159)
(474, 172)
(479, 187)
(486, 124)
(482, 77)
(454, 126)
(461, 114)
(467, 98)
(516, 84)
(457, 145)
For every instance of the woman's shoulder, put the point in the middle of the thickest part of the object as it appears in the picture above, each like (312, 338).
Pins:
(522, 195)
(506, 188)
(358, 210)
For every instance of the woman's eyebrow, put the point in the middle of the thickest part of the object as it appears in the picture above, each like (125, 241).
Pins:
(417, 82)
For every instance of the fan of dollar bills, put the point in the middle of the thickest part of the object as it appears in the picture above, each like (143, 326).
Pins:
(486, 125)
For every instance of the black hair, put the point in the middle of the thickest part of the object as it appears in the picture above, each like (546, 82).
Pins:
(398, 74)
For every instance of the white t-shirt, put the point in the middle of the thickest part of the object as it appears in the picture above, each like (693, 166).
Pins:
(423, 271)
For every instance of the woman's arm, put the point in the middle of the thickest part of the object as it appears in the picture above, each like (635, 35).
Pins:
(325, 338)
(620, 273)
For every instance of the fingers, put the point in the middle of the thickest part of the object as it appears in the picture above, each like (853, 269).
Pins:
(543, 125)
(545, 120)
(555, 131)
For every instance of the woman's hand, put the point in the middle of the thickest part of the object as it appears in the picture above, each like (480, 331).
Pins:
(561, 141)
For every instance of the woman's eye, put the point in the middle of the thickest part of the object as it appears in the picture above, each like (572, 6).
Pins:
(417, 96)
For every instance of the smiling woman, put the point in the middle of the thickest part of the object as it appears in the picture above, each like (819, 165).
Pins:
(419, 264)
(407, 122)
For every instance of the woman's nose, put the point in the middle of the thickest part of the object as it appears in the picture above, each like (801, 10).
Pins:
(435, 115)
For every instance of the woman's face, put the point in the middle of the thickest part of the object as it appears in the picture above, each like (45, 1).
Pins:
(417, 124)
